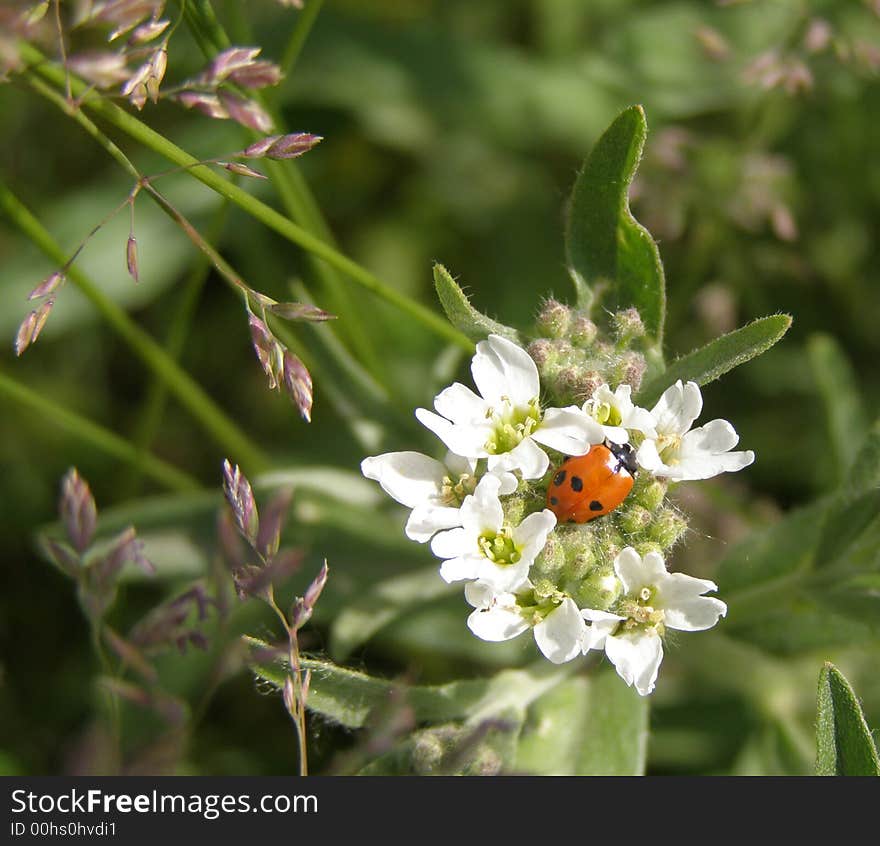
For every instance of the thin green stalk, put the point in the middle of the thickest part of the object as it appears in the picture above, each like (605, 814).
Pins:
(95, 435)
(289, 230)
(294, 193)
(304, 22)
(153, 407)
(187, 391)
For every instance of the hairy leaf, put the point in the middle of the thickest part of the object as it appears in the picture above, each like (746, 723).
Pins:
(348, 696)
(838, 390)
(844, 745)
(718, 357)
(611, 256)
(462, 314)
(586, 726)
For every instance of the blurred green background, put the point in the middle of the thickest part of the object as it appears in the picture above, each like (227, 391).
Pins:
(453, 131)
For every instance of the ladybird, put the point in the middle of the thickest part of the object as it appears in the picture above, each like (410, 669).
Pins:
(588, 486)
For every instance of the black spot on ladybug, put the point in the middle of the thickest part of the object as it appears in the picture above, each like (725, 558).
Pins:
(577, 484)
(595, 505)
(559, 478)
(554, 500)
(571, 520)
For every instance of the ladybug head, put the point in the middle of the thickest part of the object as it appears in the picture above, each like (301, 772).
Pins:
(625, 455)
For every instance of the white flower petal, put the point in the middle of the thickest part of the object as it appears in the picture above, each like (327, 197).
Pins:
(481, 512)
(531, 535)
(654, 568)
(615, 434)
(526, 456)
(603, 624)
(568, 430)
(684, 606)
(468, 441)
(460, 404)
(458, 465)
(409, 477)
(505, 578)
(639, 420)
(497, 623)
(706, 466)
(677, 409)
(480, 594)
(464, 567)
(560, 635)
(629, 568)
(453, 543)
(648, 458)
(716, 436)
(426, 520)
(509, 483)
(501, 369)
(636, 657)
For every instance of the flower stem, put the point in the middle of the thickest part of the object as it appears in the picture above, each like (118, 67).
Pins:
(294, 193)
(304, 22)
(187, 391)
(271, 218)
(99, 437)
(154, 403)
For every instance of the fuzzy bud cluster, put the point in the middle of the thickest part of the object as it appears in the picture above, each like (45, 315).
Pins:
(551, 502)
(572, 357)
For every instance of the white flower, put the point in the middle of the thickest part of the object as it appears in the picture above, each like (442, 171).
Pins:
(653, 600)
(502, 615)
(486, 548)
(434, 490)
(616, 413)
(681, 453)
(506, 423)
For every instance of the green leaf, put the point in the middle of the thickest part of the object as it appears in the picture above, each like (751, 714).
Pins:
(777, 552)
(611, 256)
(718, 357)
(857, 597)
(355, 624)
(865, 470)
(844, 745)
(586, 726)
(348, 696)
(798, 623)
(846, 521)
(462, 314)
(838, 389)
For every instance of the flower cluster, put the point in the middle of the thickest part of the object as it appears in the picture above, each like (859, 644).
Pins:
(488, 512)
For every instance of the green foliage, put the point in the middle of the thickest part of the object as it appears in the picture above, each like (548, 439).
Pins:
(844, 744)
(586, 726)
(845, 414)
(461, 313)
(612, 258)
(762, 202)
(719, 356)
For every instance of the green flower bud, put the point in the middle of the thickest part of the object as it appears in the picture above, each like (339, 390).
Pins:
(429, 748)
(627, 325)
(650, 495)
(583, 331)
(553, 319)
(634, 518)
(541, 351)
(600, 591)
(551, 560)
(630, 369)
(644, 547)
(668, 527)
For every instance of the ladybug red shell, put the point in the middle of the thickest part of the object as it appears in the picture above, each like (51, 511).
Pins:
(588, 486)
